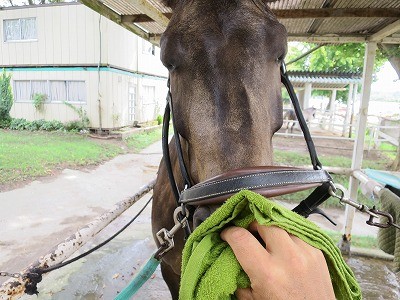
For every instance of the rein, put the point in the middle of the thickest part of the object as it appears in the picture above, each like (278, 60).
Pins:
(269, 181)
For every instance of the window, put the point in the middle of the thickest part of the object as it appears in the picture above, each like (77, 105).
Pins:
(38, 87)
(19, 29)
(149, 48)
(131, 102)
(148, 94)
(57, 91)
(22, 90)
(76, 91)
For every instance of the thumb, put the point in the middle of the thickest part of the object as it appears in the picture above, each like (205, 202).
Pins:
(244, 294)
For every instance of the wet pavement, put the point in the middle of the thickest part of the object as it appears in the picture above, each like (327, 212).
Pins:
(35, 218)
(40, 215)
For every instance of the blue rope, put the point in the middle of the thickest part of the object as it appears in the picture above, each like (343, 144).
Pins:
(137, 282)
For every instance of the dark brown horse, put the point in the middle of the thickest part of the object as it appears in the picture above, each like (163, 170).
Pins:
(224, 63)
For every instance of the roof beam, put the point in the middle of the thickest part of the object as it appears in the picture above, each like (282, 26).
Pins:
(337, 13)
(385, 32)
(107, 12)
(326, 39)
(149, 10)
(317, 13)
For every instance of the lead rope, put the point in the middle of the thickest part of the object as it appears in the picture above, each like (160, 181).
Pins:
(166, 239)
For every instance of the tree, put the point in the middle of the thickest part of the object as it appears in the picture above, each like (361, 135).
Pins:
(331, 58)
(342, 58)
(6, 97)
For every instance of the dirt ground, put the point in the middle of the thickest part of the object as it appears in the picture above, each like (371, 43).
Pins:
(42, 213)
(324, 146)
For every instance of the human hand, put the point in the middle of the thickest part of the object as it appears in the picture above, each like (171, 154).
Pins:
(286, 268)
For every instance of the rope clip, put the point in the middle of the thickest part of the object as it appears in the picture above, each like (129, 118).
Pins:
(389, 217)
(166, 237)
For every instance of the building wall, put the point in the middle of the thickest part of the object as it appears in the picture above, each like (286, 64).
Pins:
(111, 86)
(72, 40)
(66, 35)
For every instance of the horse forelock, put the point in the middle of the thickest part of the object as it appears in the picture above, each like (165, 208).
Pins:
(225, 82)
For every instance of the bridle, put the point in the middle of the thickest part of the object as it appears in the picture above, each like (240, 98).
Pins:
(272, 181)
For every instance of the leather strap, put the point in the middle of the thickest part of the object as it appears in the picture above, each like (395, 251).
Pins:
(253, 180)
(303, 124)
(185, 173)
(317, 197)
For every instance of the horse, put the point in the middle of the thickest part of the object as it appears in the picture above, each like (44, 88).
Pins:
(290, 117)
(224, 60)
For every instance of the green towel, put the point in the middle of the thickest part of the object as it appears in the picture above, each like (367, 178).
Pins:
(210, 270)
(389, 238)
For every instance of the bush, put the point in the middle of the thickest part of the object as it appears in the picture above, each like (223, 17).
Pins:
(6, 97)
(76, 126)
(159, 119)
(18, 124)
(5, 123)
(52, 126)
(23, 124)
(38, 101)
(83, 117)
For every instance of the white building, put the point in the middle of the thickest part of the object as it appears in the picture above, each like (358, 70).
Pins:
(70, 53)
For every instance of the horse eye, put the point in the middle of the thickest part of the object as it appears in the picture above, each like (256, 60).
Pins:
(280, 59)
(170, 67)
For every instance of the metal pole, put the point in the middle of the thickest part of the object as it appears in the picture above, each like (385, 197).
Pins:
(370, 52)
(15, 287)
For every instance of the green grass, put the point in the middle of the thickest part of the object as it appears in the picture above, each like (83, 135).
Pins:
(291, 158)
(359, 241)
(138, 142)
(389, 150)
(31, 154)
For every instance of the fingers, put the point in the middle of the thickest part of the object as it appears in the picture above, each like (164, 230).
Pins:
(275, 238)
(248, 251)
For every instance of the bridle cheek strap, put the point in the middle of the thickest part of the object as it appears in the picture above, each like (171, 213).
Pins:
(302, 122)
(280, 180)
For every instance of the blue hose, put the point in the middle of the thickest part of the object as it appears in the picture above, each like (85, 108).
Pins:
(137, 282)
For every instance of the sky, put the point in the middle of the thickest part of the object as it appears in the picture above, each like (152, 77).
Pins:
(386, 80)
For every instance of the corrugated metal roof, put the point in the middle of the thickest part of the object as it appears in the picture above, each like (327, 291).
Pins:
(307, 19)
(324, 80)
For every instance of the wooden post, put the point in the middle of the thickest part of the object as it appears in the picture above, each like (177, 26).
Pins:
(332, 109)
(369, 61)
(353, 101)
(307, 95)
(348, 110)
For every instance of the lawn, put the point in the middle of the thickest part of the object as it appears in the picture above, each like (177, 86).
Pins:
(138, 142)
(26, 154)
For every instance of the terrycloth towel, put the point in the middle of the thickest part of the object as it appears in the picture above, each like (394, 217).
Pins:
(210, 270)
(389, 238)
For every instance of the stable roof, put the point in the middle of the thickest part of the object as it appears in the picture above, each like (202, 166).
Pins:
(319, 21)
(324, 80)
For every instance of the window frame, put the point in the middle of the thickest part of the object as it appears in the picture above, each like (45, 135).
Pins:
(5, 40)
(48, 91)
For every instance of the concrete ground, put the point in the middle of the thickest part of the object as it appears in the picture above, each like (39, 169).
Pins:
(40, 215)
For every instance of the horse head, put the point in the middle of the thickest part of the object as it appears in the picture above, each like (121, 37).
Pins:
(224, 62)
